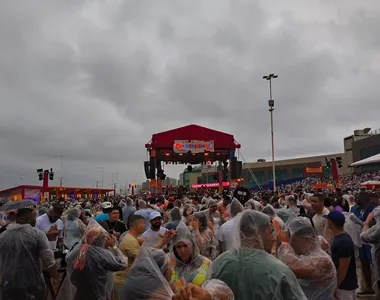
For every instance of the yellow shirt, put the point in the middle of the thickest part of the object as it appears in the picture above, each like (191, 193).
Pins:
(129, 246)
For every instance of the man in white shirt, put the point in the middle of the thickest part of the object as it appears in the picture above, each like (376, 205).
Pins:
(51, 224)
(226, 237)
(321, 224)
(155, 231)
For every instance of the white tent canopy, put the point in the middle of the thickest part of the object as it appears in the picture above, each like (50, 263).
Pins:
(369, 160)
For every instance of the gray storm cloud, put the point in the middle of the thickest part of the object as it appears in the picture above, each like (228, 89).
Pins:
(93, 80)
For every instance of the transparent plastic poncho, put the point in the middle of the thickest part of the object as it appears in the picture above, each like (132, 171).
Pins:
(253, 204)
(73, 228)
(218, 290)
(193, 271)
(372, 236)
(312, 265)
(147, 278)
(277, 222)
(23, 249)
(235, 208)
(204, 237)
(248, 269)
(90, 267)
(353, 226)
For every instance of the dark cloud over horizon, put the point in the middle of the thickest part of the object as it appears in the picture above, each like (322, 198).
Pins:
(93, 80)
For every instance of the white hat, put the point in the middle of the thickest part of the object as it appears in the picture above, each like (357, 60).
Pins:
(154, 215)
(106, 205)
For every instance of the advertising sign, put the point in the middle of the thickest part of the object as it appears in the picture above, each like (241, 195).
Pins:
(195, 146)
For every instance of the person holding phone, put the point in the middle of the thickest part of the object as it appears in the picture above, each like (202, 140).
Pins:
(52, 225)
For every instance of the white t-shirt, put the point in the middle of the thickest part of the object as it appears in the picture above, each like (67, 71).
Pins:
(226, 234)
(321, 225)
(152, 236)
(150, 233)
(43, 223)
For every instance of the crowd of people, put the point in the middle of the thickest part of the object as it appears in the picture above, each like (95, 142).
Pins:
(299, 243)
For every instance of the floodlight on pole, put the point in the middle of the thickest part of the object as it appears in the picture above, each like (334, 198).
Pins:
(102, 168)
(271, 109)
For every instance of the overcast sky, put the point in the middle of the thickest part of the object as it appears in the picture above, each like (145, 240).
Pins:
(93, 80)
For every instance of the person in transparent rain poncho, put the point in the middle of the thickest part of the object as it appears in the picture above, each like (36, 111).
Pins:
(226, 234)
(253, 204)
(312, 266)
(90, 266)
(204, 237)
(278, 226)
(175, 217)
(24, 250)
(186, 263)
(148, 276)
(214, 216)
(371, 235)
(73, 228)
(249, 269)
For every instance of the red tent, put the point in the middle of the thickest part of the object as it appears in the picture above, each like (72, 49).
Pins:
(165, 140)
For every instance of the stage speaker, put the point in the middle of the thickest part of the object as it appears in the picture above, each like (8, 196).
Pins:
(146, 169)
(152, 168)
(239, 167)
(189, 168)
(233, 168)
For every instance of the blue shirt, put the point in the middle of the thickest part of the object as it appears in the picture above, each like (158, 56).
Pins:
(127, 212)
(102, 217)
(357, 211)
(343, 247)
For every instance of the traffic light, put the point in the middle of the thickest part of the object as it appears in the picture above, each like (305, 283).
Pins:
(339, 162)
(51, 174)
(40, 173)
(328, 163)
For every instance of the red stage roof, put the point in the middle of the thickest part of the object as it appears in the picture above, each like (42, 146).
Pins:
(165, 140)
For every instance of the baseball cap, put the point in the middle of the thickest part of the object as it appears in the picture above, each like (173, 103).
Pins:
(106, 205)
(336, 217)
(154, 215)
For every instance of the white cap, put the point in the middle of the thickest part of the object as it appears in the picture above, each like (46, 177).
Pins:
(154, 215)
(106, 205)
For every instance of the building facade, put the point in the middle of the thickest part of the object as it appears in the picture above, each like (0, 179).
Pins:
(169, 181)
(362, 144)
(287, 169)
(188, 178)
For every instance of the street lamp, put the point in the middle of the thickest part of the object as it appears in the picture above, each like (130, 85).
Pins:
(60, 178)
(102, 168)
(271, 109)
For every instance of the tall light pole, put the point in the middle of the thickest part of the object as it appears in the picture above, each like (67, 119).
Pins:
(60, 178)
(102, 168)
(271, 109)
(116, 178)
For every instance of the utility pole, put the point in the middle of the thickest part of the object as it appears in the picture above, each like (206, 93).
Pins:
(271, 109)
(61, 171)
